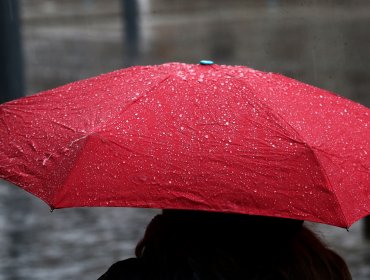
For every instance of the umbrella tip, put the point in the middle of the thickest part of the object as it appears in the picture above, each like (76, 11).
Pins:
(206, 62)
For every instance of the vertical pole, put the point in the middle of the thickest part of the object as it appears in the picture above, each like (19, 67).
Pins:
(367, 228)
(11, 75)
(131, 31)
(11, 87)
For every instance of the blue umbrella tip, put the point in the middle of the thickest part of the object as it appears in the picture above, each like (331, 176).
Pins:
(206, 62)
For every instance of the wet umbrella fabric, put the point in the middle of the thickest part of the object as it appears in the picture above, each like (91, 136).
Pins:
(204, 137)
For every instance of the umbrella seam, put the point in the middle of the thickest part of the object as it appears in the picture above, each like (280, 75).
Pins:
(125, 108)
(313, 149)
(301, 138)
(53, 202)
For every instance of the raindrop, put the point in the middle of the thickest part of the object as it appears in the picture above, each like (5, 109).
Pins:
(44, 161)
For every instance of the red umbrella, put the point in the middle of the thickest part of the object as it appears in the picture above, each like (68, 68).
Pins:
(205, 137)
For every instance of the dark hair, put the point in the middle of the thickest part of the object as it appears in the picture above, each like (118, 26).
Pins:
(181, 244)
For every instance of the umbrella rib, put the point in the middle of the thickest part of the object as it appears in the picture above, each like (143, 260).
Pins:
(133, 102)
(53, 202)
(151, 89)
(329, 183)
(318, 161)
(324, 173)
(63, 125)
(312, 149)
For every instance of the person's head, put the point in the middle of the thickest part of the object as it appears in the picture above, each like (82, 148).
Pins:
(206, 245)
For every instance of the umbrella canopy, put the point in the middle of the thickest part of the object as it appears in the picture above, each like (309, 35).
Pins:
(201, 137)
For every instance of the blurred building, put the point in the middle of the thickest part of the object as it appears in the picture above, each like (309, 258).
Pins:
(324, 43)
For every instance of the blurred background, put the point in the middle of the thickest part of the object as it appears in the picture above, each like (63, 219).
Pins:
(47, 43)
